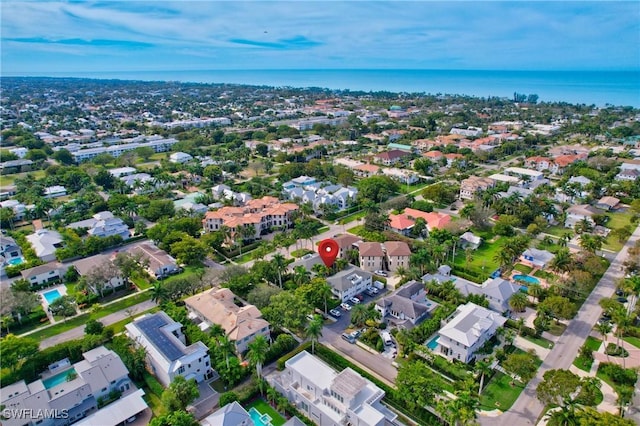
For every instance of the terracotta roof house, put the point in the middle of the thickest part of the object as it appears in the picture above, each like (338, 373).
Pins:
(371, 256)
(366, 170)
(391, 157)
(472, 185)
(398, 253)
(241, 324)
(401, 223)
(346, 242)
(435, 220)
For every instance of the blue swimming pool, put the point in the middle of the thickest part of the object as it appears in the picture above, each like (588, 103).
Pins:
(526, 278)
(259, 419)
(51, 296)
(433, 343)
(16, 261)
(58, 378)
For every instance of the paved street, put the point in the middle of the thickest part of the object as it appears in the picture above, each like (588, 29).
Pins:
(527, 409)
(78, 332)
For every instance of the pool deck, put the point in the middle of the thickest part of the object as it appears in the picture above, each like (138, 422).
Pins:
(62, 289)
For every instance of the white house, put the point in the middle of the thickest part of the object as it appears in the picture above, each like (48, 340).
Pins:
(19, 209)
(74, 390)
(349, 282)
(180, 157)
(20, 151)
(409, 304)
(158, 262)
(466, 331)
(122, 171)
(578, 213)
(168, 355)
(536, 258)
(45, 242)
(42, 274)
(329, 398)
(55, 191)
(90, 264)
(103, 224)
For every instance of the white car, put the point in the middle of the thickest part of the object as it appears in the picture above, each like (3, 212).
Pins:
(345, 306)
(354, 300)
(336, 313)
(381, 273)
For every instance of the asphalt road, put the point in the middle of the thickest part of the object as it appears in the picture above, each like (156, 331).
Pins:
(527, 409)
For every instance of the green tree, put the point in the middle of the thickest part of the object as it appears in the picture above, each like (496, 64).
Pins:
(180, 394)
(558, 307)
(314, 331)
(522, 365)
(557, 387)
(376, 188)
(175, 418)
(15, 350)
(518, 302)
(258, 353)
(93, 327)
(189, 251)
(417, 384)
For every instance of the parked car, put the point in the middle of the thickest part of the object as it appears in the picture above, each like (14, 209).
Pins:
(356, 334)
(373, 290)
(354, 300)
(380, 272)
(619, 292)
(336, 313)
(345, 306)
(349, 338)
(622, 299)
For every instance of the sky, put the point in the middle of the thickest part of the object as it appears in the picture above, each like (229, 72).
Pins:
(45, 37)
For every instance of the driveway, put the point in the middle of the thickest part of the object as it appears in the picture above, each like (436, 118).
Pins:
(527, 408)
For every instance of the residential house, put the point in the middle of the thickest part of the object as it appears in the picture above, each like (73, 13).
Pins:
(10, 251)
(158, 262)
(392, 157)
(452, 158)
(473, 185)
(300, 182)
(434, 156)
(524, 174)
(406, 177)
(55, 191)
(536, 258)
(401, 224)
(578, 213)
(329, 398)
(74, 391)
(466, 331)
(45, 242)
(241, 324)
(321, 194)
(349, 282)
(469, 240)
(113, 275)
(398, 254)
(168, 355)
(43, 274)
(308, 261)
(409, 304)
(232, 414)
(224, 193)
(263, 213)
(607, 203)
(180, 157)
(371, 256)
(434, 220)
(346, 242)
(19, 210)
(122, 171)
(628, 174)
(496, 290)
(366, 170)
(103, 224)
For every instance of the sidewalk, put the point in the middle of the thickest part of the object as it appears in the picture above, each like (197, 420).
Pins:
(526, 345)
(78, 332)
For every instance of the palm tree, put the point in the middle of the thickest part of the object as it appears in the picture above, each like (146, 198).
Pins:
(402, 272)
(226, 346)
(518, 302)
(279, 264)
(314, 331)
(159, 293)
(535, 290)
(359, 315)
(604, 328)
(483, 367)
(258, 353)
(301, 275)
(562, 262)
(272, 395)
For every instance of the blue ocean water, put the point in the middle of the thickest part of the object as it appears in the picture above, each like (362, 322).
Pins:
(582, 87)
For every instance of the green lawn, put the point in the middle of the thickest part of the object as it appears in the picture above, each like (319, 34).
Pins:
(80, 320)
(632, 340)
(483, 263)
(118, 327)
(6, 180)
(499, 394)
(585, 363)
(264, 408)
(352, 217)
(557, 231)
(557, 328)
(407, 189)
(616, 220)
(540, 341)
(543, 274)
(522, 268)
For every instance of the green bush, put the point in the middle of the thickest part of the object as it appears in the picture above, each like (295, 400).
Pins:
(283, 359)
(620, 376)
(227, 398)
(153, 384)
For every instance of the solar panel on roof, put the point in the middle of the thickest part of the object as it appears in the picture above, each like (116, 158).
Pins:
(151, 327)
